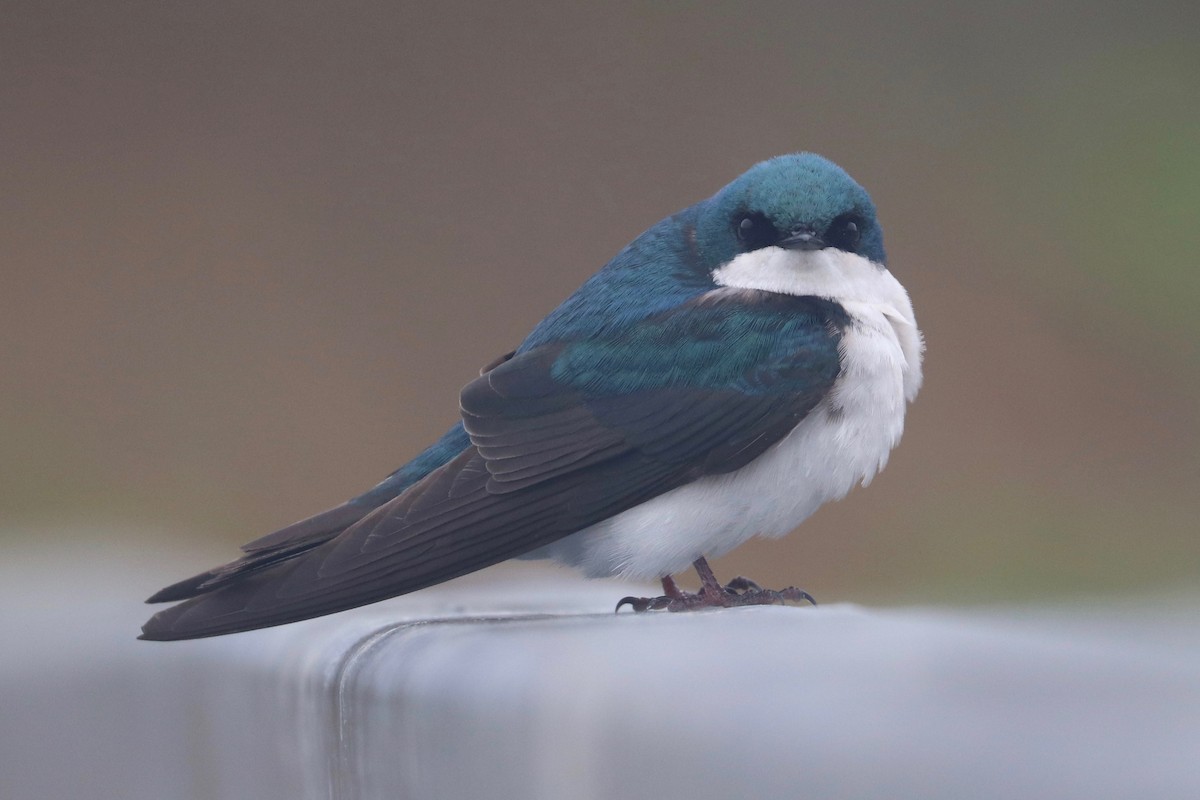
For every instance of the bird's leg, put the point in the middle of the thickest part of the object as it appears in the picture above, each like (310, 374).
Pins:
(670, 589)
(710, 588)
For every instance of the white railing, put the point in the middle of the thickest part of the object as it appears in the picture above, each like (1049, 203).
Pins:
(520, 686)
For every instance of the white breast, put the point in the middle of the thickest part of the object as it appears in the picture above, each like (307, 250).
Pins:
(843, 442)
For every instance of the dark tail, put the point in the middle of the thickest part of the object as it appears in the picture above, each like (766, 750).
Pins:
(268, 551)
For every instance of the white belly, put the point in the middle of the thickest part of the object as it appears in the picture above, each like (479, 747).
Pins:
(843, 442)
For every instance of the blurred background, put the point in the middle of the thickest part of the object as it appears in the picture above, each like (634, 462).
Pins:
(250, 253)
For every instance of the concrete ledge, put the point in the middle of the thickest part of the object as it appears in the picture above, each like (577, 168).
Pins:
(519, 686)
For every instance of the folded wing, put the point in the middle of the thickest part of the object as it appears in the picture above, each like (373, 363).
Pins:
(560, 437)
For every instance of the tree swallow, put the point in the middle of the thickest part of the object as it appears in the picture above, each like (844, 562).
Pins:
(733, 368)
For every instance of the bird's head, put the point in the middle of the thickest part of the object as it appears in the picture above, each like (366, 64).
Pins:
(800, 202)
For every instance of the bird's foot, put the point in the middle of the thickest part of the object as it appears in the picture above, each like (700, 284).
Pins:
(738, 592)
(745, 592)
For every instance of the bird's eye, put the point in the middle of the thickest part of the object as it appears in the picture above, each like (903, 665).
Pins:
(755, 231)
(844, 233)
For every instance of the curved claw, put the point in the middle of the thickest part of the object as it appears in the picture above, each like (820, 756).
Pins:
(797, 595)
(638, 604)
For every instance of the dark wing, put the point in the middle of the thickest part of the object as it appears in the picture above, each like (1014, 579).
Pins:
(562, 436)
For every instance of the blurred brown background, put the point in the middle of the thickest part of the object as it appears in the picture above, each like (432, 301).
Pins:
(251, 251)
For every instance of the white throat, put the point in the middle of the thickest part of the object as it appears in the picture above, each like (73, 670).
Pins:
(865, 289)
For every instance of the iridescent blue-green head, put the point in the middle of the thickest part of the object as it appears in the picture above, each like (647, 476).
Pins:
(798, 202)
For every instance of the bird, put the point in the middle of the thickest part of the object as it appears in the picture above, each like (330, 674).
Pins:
(734, 367)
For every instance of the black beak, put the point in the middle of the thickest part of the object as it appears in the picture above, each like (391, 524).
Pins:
(802, 240)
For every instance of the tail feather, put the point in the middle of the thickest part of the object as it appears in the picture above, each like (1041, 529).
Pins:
(267, 551)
